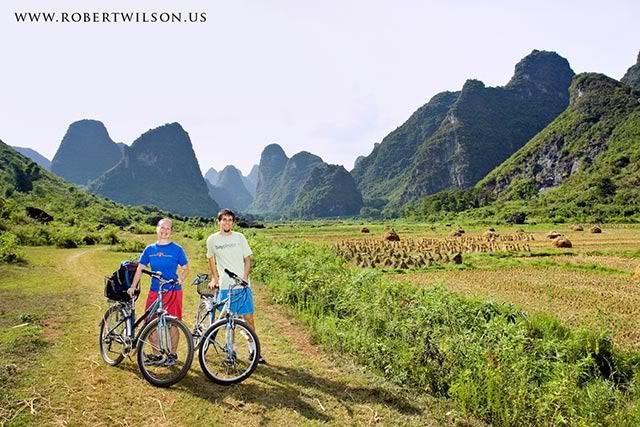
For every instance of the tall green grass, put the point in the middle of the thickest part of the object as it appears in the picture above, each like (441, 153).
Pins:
(495, 361)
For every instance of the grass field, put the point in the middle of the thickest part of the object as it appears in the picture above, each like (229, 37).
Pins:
(52, 373)
(590, 284)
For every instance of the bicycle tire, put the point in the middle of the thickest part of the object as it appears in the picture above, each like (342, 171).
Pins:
(226, 367)
(113, 331)
(202, 323)
(159, 371)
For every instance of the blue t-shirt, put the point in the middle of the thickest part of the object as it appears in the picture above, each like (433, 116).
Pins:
(164, 258)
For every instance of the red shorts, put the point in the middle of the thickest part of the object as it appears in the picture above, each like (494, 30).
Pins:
(172, 302)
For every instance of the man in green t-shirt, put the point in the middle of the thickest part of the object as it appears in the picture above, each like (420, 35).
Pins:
(230, 249)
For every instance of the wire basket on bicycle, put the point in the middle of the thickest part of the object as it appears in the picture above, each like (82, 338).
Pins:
(202, 285)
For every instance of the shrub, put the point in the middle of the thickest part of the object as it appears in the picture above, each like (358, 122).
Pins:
(66, 241)
(517, 218)
(135, 246)
(9, 252)
(90, 239)
(33, 235)
(109, 236)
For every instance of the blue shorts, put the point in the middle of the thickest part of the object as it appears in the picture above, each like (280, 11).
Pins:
(241, 300)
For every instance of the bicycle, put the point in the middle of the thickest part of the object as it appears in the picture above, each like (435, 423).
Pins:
(164, 357)
(229, 349)
(205, 314)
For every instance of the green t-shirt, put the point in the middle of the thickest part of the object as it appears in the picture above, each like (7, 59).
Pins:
(229, 251)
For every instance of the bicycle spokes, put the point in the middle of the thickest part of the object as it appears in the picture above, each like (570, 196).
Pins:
(229, 352)
(165, 351)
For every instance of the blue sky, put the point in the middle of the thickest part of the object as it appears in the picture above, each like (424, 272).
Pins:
(329, 77)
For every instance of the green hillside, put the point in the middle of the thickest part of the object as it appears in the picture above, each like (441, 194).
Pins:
(584, 166)
(486, 125)
(381, 172)
(458, 137)
(39, 208)
(328, 191)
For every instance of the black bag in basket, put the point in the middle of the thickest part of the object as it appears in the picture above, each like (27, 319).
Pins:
(116, 285)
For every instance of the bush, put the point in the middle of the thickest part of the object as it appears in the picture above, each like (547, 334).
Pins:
(90, 239)
(135, 246)
(141, 229)
(9, 252)
(109, 236)
(33, 235)
(517, 218)
(67, 240)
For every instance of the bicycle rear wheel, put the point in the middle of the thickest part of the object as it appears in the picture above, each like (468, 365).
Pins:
(113, 336)
(229, 352)
(165, 351)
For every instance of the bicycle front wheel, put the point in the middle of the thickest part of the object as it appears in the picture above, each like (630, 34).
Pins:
(202, 323)
(165, 351)
(113, 336)
(229, 352)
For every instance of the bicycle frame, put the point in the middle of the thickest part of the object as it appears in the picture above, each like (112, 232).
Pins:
(128, 311)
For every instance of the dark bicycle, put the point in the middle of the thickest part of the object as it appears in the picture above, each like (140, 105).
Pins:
(164, 345)
(229, 349)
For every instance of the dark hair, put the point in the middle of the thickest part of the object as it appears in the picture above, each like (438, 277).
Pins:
(224, 212)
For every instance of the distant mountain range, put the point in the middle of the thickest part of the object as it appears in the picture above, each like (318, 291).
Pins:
(41, 160)
(251, 181)
(584, 166)
(211, 176)
(458, 137)
(303, 186)
(86, 152)
(229, 190)
(159, 169)
(546, 132)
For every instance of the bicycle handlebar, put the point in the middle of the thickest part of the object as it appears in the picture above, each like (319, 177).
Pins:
(235, 277)
(158, 275)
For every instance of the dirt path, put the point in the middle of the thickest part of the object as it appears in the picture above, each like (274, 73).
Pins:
(301, 385)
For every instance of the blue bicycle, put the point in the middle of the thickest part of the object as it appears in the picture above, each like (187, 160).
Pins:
(228, 348)
(164, 346)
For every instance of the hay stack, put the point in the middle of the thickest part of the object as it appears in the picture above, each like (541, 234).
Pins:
(553, 235)
(577, 227)
(364, 230)
(490, 234)
(391, 236)
(595, 229)
(562, 242)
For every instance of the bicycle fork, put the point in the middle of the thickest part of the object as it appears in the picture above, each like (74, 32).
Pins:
(229, 340)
